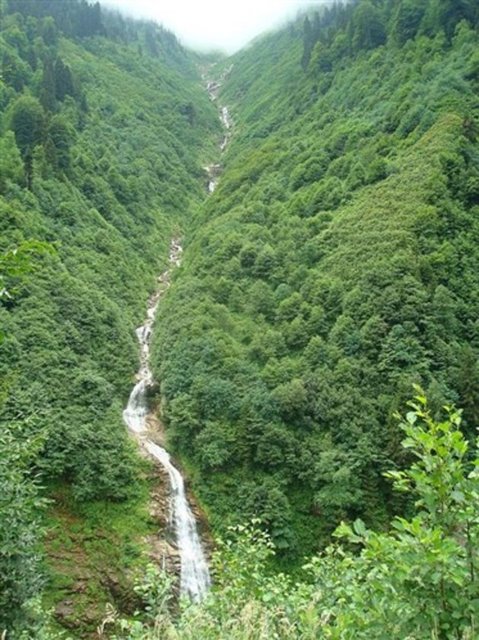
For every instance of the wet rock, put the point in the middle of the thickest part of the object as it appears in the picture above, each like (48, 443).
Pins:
(122, 594)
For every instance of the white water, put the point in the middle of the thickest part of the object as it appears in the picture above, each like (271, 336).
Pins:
(213, 87)
(194, 578)
(225, 118)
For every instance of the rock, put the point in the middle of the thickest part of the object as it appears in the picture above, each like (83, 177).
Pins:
(64, 612)
(122, 593)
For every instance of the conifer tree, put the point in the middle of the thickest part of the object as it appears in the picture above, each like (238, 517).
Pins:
(48, 87)
(63, 80)
(28, 123)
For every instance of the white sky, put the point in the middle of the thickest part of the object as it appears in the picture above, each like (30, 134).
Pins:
(214, 24)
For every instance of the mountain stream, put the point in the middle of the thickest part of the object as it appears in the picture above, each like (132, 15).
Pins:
(213, 87)
(194, 575)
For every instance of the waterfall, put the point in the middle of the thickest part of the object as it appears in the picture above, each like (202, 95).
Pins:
(213, 87)
(194, 578)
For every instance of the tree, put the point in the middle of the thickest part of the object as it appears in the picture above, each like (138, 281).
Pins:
(451, 12)
(408, 19)
(465, 377)
(11, 166)
(88, 20)
(368, 27)
(49, 31)
(59, 139)
(47, 89)
(321, 59)
(28, 124)
(308, 43)
(63, 80)
(14, 71)
(151, 40)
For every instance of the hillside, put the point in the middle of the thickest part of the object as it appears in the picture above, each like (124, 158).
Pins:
(335, 266)
(331, 275)
(104, 128)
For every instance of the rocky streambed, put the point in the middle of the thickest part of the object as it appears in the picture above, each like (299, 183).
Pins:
(213, 87)
(145, 427)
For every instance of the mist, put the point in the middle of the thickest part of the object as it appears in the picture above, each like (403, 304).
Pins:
(214, 24)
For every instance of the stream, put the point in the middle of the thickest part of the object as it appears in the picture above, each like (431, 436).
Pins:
(213, 87)
(194, 576)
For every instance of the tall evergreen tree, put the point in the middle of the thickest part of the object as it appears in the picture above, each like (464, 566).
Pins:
(368, 27)
(63, 80)
(28, 124)
(48, 87)
(407, 20)
(308, 43)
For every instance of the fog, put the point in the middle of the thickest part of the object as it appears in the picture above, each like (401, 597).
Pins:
(214, 24)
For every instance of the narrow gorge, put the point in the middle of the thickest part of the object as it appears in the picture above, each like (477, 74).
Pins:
(213, 88)
(299, 440)
(194, 574)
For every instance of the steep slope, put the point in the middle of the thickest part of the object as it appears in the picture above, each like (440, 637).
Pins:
(335, 266)
(104, 126)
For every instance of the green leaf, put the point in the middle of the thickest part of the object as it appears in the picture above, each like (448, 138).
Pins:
(359, 527)
(411, 417)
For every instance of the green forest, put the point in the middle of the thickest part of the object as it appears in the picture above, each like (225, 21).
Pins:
(316, 354)
(335, 266)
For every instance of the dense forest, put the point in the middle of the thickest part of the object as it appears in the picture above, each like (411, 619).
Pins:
(334, 267)
(104, 127)
(417, 581)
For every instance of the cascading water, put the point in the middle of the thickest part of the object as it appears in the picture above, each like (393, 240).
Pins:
(213, 87)
(194, 578)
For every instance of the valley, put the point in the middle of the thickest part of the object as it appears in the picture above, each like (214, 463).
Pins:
(311, 205)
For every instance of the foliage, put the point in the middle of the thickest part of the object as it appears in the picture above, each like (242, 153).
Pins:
(20, 501)
(100, 156)
(351, 28)
(16, 264)
(418, 580)
(20, 580)
(335, 264)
